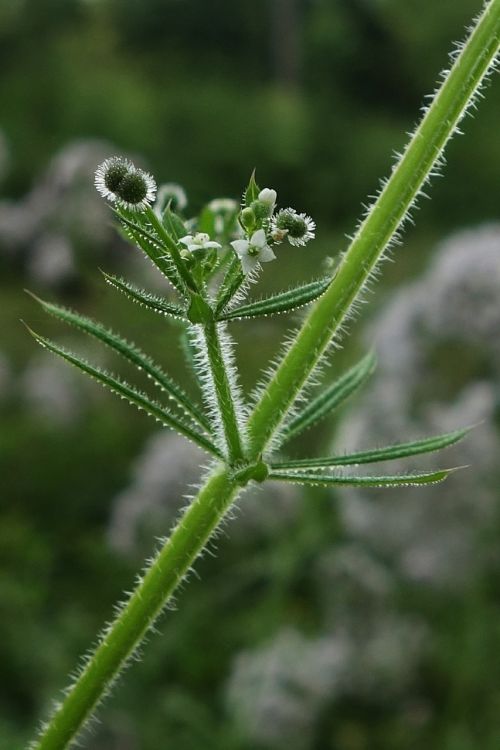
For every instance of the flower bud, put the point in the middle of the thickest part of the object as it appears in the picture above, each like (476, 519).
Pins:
(247, 218)
(269, 196)
(261, 210)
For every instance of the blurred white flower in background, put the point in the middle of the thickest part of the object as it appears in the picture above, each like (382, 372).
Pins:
(62, 210)
(276, 691)
(439, 367)
(50, 391)
(52, 260)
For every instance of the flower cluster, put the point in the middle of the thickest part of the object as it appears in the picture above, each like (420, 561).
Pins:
(264, 228)
(119, 181)
(250, 232)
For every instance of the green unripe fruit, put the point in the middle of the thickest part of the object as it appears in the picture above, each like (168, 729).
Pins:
(261, 209)
(294, 225)
(298, 228)
(247, 219)
(132, 188)
(114, 175)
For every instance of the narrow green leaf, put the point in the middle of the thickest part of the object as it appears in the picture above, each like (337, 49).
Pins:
(130, 393)
(280, 303)
(133, 354)
(252, 191)
(149, 242)
(173, 224)
(232, 281)
(146, 299)
(402, 450)
(330, 398)
(398, 480)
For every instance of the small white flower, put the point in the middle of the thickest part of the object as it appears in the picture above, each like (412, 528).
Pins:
(253, 251)
(299, 228)
(268, 196)
(200, 241)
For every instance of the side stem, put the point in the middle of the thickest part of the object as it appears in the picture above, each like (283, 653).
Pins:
(223, 392)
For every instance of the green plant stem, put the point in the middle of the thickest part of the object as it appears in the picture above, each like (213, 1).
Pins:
(139, 613)
(223, 392)
(173, 250)
(378, 228)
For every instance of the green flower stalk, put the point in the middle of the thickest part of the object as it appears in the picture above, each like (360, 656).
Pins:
(209, 263)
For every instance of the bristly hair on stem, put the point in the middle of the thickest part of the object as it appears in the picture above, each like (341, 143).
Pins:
(210, 264)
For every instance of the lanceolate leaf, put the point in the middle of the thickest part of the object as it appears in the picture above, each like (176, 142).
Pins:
(232, 281)
(323, 480)
(173, 224)
(403, 450)
(149, 242)
(130, 393)
(280, 303)
(330, 398)
(146, 299)
(133, 354)
(252, 191)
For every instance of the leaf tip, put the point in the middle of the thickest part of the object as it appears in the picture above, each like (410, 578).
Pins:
(30, 330)
(33, 295)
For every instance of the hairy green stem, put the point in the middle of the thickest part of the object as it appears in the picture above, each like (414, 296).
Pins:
(204, 514)
(173, 250)
(140, 612)
(223, 392)
(379, 227)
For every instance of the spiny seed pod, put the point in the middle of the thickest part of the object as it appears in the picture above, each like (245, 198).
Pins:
(299, 228)
(109, 174)
(118, 180)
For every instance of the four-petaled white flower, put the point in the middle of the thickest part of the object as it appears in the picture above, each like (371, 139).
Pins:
(200, 241)
(253, 251)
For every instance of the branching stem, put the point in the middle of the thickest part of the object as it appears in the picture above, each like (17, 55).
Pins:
(205, 513)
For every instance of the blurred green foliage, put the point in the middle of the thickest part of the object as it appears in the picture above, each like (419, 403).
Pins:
(206, 91)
